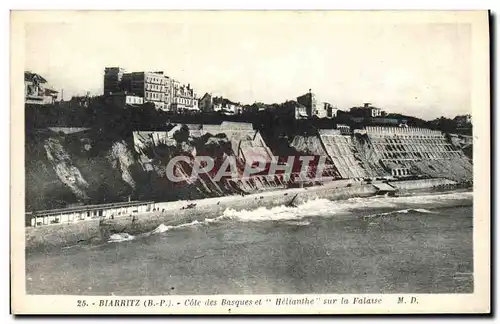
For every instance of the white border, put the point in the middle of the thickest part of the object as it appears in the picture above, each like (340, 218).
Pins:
(220, 4)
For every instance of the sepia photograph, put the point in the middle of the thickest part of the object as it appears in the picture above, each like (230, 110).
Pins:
(255, 162)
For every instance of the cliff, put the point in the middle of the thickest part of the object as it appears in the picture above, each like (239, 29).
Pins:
(98, 165)
(93, 166)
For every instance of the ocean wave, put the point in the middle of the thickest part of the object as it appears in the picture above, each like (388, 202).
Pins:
(315, 207)
(433, 198)
(325, 207)
(162, 228)
(422, 210)
(298, 223)
(401, 211)
(120, 237)
(318, 208)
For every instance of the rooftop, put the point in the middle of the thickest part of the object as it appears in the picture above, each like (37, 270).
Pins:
(51, 91)
(365, 106)
(223, 101)
(30, 76)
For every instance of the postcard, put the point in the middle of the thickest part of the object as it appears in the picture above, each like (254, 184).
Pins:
(250, 162)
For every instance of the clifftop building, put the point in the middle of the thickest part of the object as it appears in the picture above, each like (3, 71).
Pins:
(315, 107)
(36, 90)
(164, 92)
(113, 80)
(153, 87)
(122, 99)
(309, 101)
(366, 111)
(293, 110)
(184, 99)
(331, 112)
(209, 103)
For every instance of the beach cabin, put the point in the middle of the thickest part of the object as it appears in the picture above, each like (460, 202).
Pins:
(86, 212)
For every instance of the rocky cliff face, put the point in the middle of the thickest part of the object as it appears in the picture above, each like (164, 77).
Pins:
(121, 157)
(64, 169)
(89, 167)
(93, 166)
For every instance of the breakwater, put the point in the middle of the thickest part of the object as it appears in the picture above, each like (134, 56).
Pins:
(175, 213)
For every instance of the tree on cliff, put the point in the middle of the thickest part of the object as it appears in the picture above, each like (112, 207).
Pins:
(444, 124)
(182, 135)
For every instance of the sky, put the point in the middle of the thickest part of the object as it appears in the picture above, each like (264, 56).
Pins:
(418, 69)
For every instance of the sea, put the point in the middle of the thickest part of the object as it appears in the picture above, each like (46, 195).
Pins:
(408, 244)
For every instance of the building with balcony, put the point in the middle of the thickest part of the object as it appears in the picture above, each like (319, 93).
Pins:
(184, 99)
(171, 88)
(165, 93)
(153, 87)
(36, 90)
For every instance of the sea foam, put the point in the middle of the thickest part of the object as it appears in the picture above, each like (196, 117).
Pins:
(120, 237)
